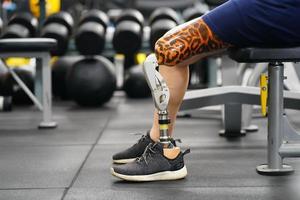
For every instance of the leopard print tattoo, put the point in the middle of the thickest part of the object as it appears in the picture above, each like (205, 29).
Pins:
(191, 39)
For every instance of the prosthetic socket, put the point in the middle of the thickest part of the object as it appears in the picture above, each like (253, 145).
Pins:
(161, 96)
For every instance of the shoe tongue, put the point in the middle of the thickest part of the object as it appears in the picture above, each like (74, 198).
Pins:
(158, 147)
(148, 137)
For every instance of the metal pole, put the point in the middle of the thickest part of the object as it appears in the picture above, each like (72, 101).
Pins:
(42, 12)
(47, 97)
(275, 113)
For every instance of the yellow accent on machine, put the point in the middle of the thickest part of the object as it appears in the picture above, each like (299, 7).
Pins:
(52, 6)
(263, 93)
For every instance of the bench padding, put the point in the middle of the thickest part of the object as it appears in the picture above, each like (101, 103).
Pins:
(257, 55)
(27, 45)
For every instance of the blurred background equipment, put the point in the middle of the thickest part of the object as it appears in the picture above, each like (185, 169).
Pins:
(5, 103)
(60, 69)
(21, 25)
(161, 21)
(91, 81)
(135, 84)
(22, 67)
(52, 6)
(59, 26)
(91, 35)
(88, 29)
(128, 35)
(191, 13)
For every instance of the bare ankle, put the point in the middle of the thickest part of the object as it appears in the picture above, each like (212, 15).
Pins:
(154, 135)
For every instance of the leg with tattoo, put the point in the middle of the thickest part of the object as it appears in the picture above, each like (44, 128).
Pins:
(188, 40)
(178, 48)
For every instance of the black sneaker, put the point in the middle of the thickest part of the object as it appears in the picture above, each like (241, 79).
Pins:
(152, 166)
(135, 151)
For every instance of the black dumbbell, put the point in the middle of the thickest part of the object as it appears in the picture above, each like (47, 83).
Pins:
(193, 12)
(59, 26)
(91, 81)
(128, 35)
(135, 84)
(60, 70)
(90, 36)
(21, 25)
(160, 21)
(214, 3)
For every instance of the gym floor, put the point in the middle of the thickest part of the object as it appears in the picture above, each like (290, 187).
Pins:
(73, 161)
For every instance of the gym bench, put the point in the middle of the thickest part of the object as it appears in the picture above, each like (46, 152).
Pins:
(38, 48)
(283, 140)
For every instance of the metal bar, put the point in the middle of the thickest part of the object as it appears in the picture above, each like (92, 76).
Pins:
(232, 120)
(42, 12)
(47, 94)
(275, 114)
(289, 150)
(38, 80)
(232, 94)
(22, 54)
(23, 86)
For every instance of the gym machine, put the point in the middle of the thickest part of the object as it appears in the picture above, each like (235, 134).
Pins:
(283, 139)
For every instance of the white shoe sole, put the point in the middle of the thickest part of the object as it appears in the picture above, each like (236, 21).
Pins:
(160, 176)
(124, 161)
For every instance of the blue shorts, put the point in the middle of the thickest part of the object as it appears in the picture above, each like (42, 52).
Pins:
(273, 23)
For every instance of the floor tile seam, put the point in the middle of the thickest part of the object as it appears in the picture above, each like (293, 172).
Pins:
(32, 188)
(86, 158)
(186, 187)
(46, 145)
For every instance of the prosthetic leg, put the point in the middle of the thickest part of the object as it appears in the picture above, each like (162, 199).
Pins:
(161, 96)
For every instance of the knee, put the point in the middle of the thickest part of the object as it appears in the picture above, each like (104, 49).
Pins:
(167, 52)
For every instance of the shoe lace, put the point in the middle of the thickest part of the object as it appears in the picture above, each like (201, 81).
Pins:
(140, 140)
(149, 151)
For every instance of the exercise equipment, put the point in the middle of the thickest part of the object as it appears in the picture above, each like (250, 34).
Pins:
(235, 124)
(5, 103)
(38, 48)
(160, 21)
(214, 3)
(19, 97)
(21, 25)
(58, 26)
(91, 81)
(236, 117)
(90, 36)
(198, 74)
(9, 86)
(135, 84)
(128, 35)
(1, 26)
(194, 12)
(60, 69)
(146, 6)
(283, 140)
(52, 6)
